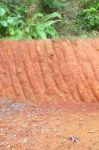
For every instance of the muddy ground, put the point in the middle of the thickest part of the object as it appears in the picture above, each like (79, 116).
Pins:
(29, 127)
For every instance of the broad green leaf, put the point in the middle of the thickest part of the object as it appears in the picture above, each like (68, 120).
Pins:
(37, 15)
(2, 12)
(27, 29)
(42, 35)
(18, 34)
(52, 32)
(4, 23)
(48, 23)
(11, 20)
(53, 15)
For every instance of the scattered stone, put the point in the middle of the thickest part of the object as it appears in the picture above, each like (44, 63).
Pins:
(91, 131)
(89, 148)
(81, 119)
(17, 106)
(23, 141)
(1, 143)
(74, 138)
(68, 146)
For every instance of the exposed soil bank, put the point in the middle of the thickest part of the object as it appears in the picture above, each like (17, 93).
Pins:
(54, 92)
(51, 73)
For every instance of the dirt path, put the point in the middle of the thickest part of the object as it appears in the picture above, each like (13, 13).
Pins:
(28, 127)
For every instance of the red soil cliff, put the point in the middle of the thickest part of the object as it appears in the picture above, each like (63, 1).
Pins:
(50, 72)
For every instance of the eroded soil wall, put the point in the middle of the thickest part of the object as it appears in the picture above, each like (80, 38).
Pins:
(50, 72)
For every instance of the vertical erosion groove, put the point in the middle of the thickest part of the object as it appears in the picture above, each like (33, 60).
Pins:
(86, 69)
(73, 67)
(2, 71)
(33, 77)
(86, 84)
(93, 60)
(27, 69)
(25, 72)
(62, 63)
(7, 79)
(19, 51)
(14, 50)
(12, 67)
(57, 74)
(47, 74)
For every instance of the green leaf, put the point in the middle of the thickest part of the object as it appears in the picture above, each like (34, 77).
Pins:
(18, 34)
(27, 30)
(37, 15)
(4, 23)
(42, 35)
(52, 32)
(11, 20)
(53, 15)
(48, 23)
(2, 12)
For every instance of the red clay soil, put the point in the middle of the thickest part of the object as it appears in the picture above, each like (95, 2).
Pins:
(49, 95)
(50, 72)
(27, 127)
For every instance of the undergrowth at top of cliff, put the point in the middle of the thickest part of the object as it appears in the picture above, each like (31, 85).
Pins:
(41, 19)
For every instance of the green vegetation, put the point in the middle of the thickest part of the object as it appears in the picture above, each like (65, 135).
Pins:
(50, 6)
(16, 22)
(88, 16)
(34, 19)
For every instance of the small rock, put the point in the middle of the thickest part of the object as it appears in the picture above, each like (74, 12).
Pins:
(89, 148)
(68, 146)
(1, 143)
(23, 140)
(74, 138)
(81, 119)
(91, 131)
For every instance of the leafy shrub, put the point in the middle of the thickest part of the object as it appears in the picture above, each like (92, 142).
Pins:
(42, 26)
(21, 19)
(17, 2)
(17, 25)
(88, 16)
(9, 23)
(18, 6)
(49, 6)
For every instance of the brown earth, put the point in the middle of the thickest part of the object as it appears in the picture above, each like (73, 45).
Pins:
(50, 72)
(27, 127)
(49, 93)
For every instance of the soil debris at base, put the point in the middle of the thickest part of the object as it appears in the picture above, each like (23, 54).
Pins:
(35, 128)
